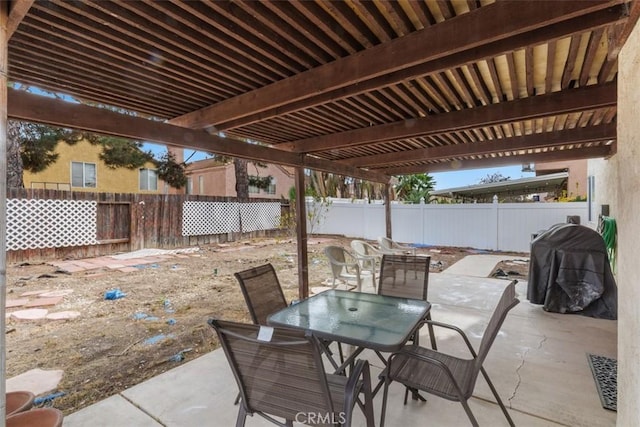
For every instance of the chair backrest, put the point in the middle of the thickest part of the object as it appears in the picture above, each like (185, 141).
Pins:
(385, 243)
(508, 300)
(338, 257)
(280, 376)
(262, 292)
(361, 248)
(405, 276)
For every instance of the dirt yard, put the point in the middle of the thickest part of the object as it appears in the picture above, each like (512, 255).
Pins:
(160, 323)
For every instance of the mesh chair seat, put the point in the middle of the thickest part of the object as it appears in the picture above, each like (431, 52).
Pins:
(406, 276)
(445, 375)
(283, 376)
(262, 292)
(410, 369)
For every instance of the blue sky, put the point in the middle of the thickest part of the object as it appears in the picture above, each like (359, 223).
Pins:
(461, 178)
(444, 180)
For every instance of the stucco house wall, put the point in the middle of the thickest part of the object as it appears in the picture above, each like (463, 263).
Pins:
(211, 178)
(577, 181)
(616, 185)
(58, 175)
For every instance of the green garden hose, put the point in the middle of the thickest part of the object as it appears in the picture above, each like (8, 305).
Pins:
(607, 229)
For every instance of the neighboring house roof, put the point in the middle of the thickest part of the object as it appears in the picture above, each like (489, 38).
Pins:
(204, 164)
(523, 186)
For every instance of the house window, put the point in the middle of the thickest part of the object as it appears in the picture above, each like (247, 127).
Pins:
(189, 185)
(148, 179)
(272, 187)
(201, 184)
(83, 175)
(253, 189)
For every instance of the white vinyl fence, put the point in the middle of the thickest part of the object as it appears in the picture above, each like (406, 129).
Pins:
(492, 226)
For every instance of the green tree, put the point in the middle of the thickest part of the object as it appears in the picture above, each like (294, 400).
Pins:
(31, 147)
(412, 188)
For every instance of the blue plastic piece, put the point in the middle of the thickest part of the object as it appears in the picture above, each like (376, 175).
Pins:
(48, 398)
(114, 294)
(171, 321)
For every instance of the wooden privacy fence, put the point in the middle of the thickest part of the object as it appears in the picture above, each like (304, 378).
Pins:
(49, 224)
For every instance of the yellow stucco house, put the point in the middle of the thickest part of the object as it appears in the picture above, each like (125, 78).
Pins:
(79, 168)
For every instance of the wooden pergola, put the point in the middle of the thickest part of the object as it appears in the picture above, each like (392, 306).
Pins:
(367, 89)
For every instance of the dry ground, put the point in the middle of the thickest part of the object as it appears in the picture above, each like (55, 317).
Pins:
(105, 351)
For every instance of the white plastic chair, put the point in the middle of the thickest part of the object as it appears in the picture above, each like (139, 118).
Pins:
(388, 246)
(344, 266)
(368, 257)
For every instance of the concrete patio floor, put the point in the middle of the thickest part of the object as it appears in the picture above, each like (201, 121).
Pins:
(538, 363)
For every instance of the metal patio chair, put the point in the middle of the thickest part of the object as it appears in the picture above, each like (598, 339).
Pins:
(368, 257)
(262, 292)
(407, 276)
(388, 246)
(281, 374)
(445, 375)
(344, 266)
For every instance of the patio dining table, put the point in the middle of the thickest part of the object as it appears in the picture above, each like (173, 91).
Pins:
(366, 321)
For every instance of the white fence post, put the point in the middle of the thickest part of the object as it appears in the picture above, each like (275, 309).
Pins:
(495, 224)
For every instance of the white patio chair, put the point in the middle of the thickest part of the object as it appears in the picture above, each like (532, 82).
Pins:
(368, 257)
(344, 266)
(388, 246)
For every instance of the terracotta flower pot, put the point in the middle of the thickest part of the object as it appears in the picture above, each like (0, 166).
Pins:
(18, 401)
(41, 417)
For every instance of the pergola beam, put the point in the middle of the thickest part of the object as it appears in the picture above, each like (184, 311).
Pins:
(552, 32)
(534, 141)
(548, 156)
(19, 9)
(574, 100)
(36, 108)
(494, 22)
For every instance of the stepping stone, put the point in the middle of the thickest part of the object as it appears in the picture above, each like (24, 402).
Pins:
(43, 302)
(37, 381)
(30, 314)
(10, 303)
(32, 293)
(63, 315)
(59, 293)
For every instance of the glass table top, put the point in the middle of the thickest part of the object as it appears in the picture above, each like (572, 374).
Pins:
(369, 320)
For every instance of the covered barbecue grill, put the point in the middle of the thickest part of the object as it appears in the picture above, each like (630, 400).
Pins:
(570, 272)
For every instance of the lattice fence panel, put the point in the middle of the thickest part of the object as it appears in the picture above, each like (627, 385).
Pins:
(202, 218)
(260, 216)
(47, 223)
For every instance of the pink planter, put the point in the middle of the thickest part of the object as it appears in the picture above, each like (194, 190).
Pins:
(41, 417)
(18, 401)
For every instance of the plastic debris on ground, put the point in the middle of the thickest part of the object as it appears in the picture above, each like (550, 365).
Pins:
(144, 316)
(179, 357)
(167, 306)
(156, 339)
(171, 321)
(143, 266)
(48, 398)
(114, 294)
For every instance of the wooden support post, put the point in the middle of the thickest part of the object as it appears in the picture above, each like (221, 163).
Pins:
(301, 235)
(387, 209)
(4, 43)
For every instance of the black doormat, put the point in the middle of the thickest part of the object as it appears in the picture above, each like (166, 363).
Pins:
(605, 374)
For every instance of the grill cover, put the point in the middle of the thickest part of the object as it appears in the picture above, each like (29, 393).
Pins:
(570, 272)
